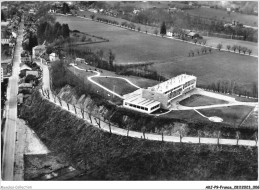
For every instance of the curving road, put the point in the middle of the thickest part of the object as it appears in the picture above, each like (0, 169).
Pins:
(101, 86)
(11, 112)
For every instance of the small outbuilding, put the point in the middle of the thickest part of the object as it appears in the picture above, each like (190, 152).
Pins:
(34, 73)
(53, 57)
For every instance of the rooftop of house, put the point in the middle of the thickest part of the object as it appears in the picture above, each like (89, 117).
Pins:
(6, 61)
(79, 59)
(39, 47)
(25, 67)
(35, 73)
(25, 85)
(137, 99)
(172, 83)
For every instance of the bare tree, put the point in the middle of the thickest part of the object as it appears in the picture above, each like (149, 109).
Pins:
(244, 49)
(249, 51)
(228, 47)
(198, 51)
(219, 46)
(234, 48)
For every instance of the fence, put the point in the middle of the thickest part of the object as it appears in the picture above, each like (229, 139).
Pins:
(107, 126)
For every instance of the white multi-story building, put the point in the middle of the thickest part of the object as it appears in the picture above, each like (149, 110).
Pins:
(161, 95)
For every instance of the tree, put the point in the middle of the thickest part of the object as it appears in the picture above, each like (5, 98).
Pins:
(32, 41)
(244, 49)
(198, 51)
(239, 49)
(249, 51)
(192, 53)
(203, 50)
(155, 31)
(92, 16)
(139, 29)
(3, 16)
(100, 53)
(65, 8)
(209, 49)
(234, 47)
(195, 41)
(30, 78)
(111, 58)
(219, 46)
(228, 47)
(163, 29)
(57, 29)
(49, 49)
(83, 38)
(65, 31)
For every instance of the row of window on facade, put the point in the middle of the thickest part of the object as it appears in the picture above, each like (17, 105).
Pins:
(172, 89)
(188, 83)
(141, 107)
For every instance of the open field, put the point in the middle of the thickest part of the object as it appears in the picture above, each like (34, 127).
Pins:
(211, 41)
(232, 115)
(215, 66)
(119, 86)
(219, 14)
(200, 100)
(129, 46)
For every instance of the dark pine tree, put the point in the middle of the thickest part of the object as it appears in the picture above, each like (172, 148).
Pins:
(65, 8)
(65, 31)
(163, 29)
(111, 58)
(32, 41)
(3, 16)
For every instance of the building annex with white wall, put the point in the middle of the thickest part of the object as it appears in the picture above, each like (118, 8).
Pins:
(161, 95)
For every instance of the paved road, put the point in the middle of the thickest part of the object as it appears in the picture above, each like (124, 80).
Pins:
(103, 87)
(180, 107)
(155, 137)
(11, 113)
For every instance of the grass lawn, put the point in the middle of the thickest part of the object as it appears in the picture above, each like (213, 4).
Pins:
(128, 46)
(219, 14)
(232, 115)
(187, 115)
(77, 38)
(213, 67)
(120, 86)
(252, 120)
(200, 100)
(139, 81)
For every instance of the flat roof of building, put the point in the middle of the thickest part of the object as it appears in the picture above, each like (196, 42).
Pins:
(172, 83)
(136, 99)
